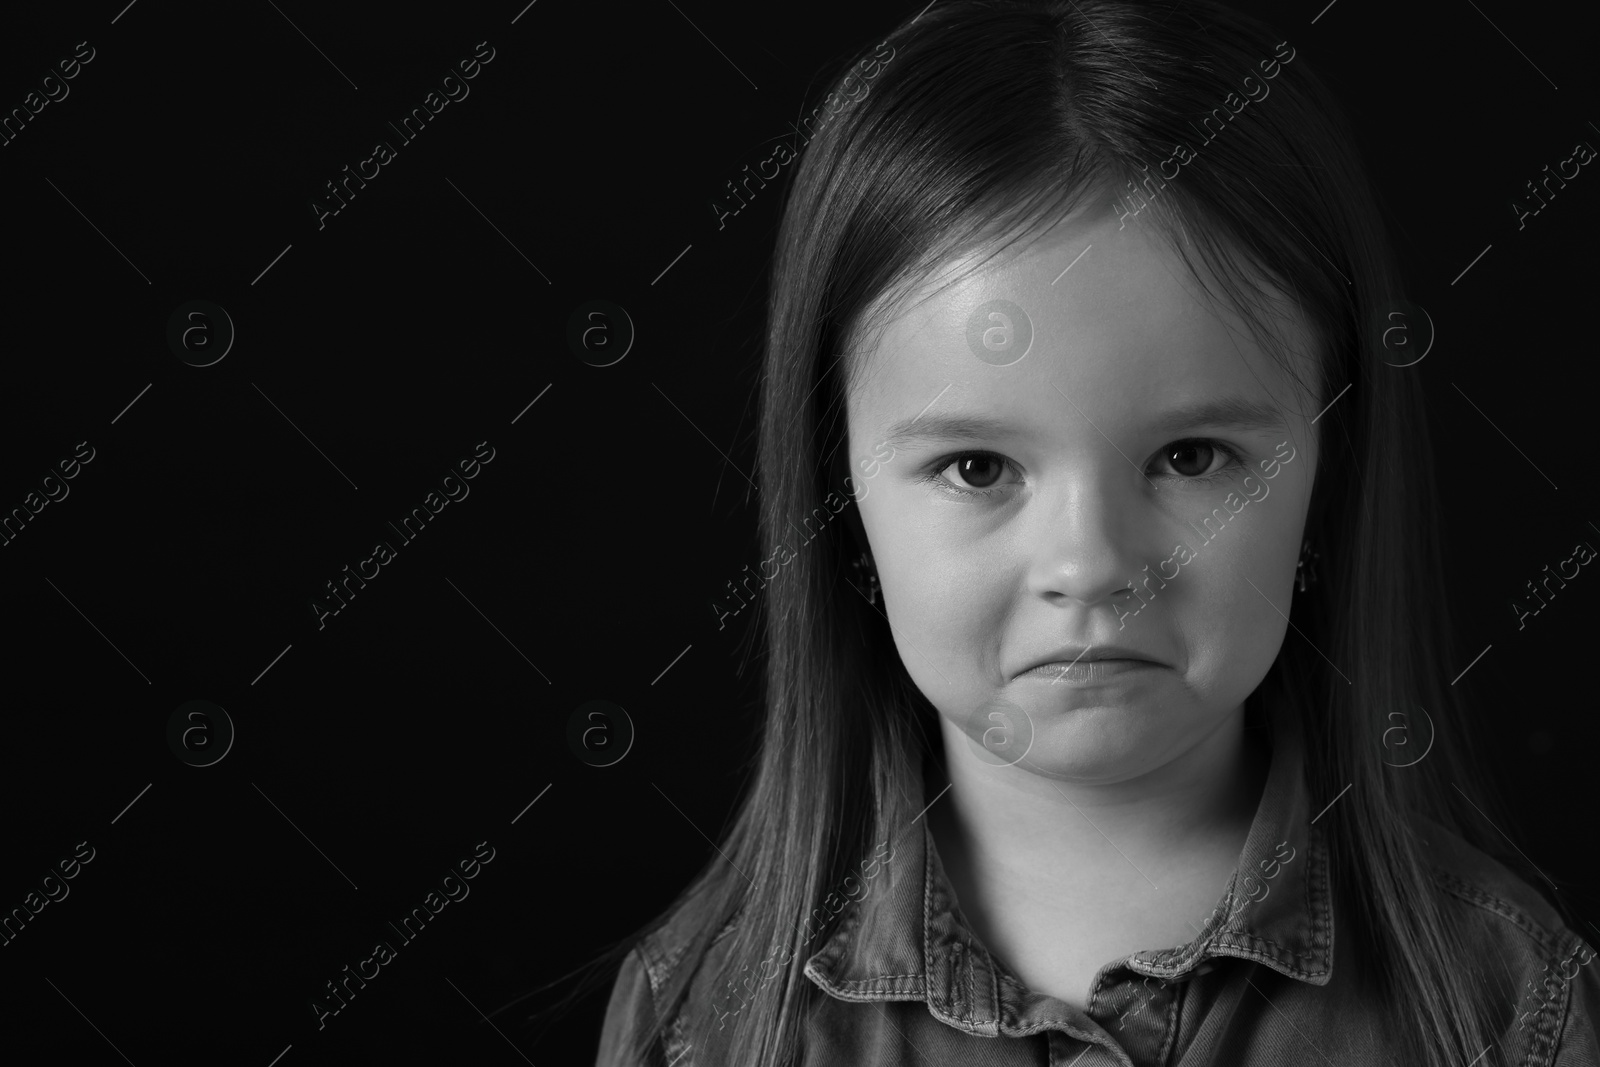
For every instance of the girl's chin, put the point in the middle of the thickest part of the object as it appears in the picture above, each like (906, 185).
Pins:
(1095, 759)
(1097, 754)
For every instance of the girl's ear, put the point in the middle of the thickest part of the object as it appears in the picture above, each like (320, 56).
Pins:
(841, 476)
(858, 529)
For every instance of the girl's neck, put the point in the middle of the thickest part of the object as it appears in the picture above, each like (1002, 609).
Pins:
(1211, 790)
(1023, 850)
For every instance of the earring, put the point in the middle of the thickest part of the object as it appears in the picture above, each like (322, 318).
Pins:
(866, 577)
(1306, 569)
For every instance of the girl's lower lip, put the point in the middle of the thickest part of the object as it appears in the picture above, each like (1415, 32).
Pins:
(1098, 670)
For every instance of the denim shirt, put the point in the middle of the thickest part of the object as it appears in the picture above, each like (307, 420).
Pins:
(1269, 979)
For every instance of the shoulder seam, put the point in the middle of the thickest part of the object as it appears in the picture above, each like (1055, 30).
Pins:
(661, 960)
(1552, 996)
(1581, 949)
(658, 964)
(1457, 887)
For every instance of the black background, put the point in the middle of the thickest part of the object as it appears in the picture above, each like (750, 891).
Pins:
(379, 350)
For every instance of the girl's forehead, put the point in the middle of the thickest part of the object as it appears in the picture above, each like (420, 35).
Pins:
(1112, 312)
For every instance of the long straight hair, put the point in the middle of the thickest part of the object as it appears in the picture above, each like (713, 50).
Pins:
(997, 118)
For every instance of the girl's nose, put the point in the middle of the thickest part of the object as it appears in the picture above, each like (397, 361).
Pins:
(1085, 546)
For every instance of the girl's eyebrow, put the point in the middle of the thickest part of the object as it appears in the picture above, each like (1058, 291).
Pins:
(945, 428)
(1232, 412)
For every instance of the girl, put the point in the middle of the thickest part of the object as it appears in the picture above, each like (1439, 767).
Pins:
(1112, 722)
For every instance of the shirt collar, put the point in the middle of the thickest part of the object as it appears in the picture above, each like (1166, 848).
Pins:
(906, 938)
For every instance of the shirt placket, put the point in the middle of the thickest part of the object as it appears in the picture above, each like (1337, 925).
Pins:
(1137, 1011)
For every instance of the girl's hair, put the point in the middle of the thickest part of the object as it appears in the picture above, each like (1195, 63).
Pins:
(994, 119)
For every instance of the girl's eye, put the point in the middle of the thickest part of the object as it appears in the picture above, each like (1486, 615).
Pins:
(977, 470)
(1192, 459)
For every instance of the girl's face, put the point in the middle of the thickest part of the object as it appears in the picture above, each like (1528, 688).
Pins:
(1014, 473)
